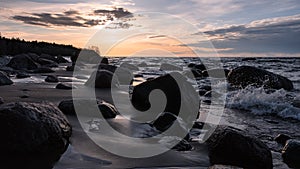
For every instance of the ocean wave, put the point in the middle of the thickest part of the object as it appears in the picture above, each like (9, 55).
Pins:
(259, 101)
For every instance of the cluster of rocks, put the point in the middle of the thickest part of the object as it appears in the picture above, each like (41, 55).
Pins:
(22, 65)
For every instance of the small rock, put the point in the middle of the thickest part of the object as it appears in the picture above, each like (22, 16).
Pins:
(167, 66)
(70, 68)
(138, 75)
(107, 110)
(104, 61)
(282, 138)
(63, 86)
(1, 100)
(4, 79)
(22, 75)
(42, 70)
(129, 66)
(143, 64)
(291, 153)
(51, 79)
(24, 96)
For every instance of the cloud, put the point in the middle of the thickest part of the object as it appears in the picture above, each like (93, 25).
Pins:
(267, 35)
(75, 19)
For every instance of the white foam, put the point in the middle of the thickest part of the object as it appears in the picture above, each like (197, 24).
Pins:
(257, 101)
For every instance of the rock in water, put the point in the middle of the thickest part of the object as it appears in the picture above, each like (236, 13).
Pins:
(1, 100)
(104, 61)
(51, 79)
(129, 66)
(230, 146)
(102, 79)
(22, 62)
(107, 110)
(22, 75)
(167, 66)
(63, 86)
(291, 153)
(180, 94)
(282, 139)
(33, 135)
(247, 75)
(4, 79)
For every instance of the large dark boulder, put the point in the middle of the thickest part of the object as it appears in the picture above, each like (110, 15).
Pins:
(4, 79)
(230, 146)
(107, 110)
(101, 79)
(291, 153)
(180, 95)
(247, 75)
(22, 62)
(33, 135)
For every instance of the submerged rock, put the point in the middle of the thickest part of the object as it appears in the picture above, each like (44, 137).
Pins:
(230, 146)
(107, 110)
(33, 135)
(4, 79)
(22, 62)
(291, 153)
(247, 75)
(51, 79)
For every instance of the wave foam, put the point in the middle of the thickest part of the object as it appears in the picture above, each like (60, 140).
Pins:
(258, 101)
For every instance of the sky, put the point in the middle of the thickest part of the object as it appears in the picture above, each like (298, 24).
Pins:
(159, 27)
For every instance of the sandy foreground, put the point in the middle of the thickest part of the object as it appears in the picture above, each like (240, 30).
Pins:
(83, 152)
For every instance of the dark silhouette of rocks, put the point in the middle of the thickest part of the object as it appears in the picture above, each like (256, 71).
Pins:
(247, 75)
(33, 135)
(4, 79)
(230, 146)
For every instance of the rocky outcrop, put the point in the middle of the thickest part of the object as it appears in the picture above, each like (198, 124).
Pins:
(246, 75)
(230, 146)
(4, 79)
(33, 135)
(291, 153)
(107, 110)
